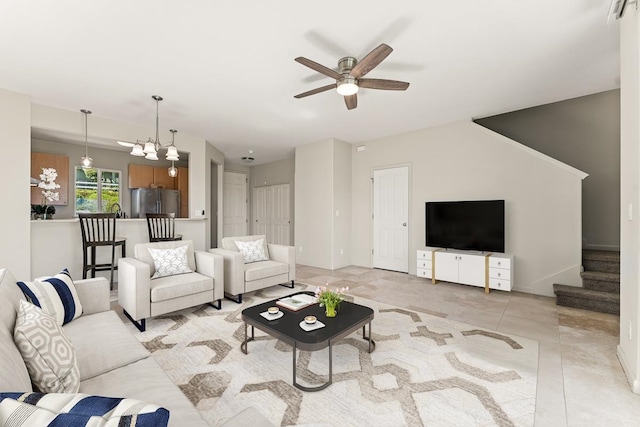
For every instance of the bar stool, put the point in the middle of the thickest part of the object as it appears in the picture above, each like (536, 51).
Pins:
(99, 229)
(162, 227)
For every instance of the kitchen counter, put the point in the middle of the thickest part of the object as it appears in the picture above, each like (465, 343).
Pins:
(57, 243)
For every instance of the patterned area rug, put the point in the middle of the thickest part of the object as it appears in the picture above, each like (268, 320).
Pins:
(425, 370)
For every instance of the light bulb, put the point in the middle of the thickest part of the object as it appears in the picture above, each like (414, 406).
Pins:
(347, 86)
(86, 161)
(173, 172)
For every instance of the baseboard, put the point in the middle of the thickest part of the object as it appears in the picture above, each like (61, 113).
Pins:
(633, 382)
(615, 248)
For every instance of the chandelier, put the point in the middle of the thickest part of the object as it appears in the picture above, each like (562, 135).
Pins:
(150, 148)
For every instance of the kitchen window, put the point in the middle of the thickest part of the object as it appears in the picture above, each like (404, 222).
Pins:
(96, 190)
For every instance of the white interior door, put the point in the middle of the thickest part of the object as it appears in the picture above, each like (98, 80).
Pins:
(391, 219)
(281, 211)
(262, 208)
(235, 204)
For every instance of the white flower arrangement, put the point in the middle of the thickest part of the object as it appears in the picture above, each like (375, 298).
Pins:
(48, 184)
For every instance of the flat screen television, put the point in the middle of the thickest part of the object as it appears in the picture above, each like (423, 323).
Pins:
(476, 225)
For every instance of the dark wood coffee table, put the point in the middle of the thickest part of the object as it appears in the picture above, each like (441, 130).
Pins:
(287, 329)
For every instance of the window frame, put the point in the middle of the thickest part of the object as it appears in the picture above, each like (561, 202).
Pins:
(99, 171)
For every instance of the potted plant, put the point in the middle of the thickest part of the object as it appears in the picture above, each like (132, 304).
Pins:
(330, 299)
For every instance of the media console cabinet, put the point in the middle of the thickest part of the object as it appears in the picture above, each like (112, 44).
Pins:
(487, 270)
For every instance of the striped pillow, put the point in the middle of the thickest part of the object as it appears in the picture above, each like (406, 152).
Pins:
(55, 295)
(64, 409)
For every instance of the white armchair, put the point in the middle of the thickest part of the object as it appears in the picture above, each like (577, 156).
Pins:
(241, 277)
(142, 297)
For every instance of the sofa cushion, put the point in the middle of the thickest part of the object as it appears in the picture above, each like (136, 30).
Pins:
(260, 270)
(229, 243)
(141, 252)
(55, 295)
(47, 350)
(66, 409)
(166, 288)
(145, 380)
(13, 375)
(252, 251)
(169, 262)
(103, 343)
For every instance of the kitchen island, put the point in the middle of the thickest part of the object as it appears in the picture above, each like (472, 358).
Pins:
(57, 243)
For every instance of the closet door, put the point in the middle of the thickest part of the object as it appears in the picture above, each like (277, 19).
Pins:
(235, 204)
(281, 219)
(262, 212)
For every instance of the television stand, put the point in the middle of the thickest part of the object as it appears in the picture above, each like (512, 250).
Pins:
(488, 270)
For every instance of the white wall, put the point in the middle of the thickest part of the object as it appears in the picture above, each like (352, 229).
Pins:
(341, 246)
(314, 204)
(629, 348)
(464, 161)
(15, 143)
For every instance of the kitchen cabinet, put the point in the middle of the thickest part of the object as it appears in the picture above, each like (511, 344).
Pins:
(61, 165)
(143, 176)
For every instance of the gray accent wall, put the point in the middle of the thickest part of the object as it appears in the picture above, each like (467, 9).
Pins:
(584, 133)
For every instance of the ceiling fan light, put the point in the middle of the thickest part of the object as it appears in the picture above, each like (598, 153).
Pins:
(137, 150)
(151, 156)
(172, 151)
(149, 147)
(125, 143)
(347, 86)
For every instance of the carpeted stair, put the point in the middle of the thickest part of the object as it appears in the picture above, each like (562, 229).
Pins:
(600, 289)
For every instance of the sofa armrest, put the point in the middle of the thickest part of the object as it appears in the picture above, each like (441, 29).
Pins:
(134, 287)
(286, 254)
(93, 294)
(233, 270)
(212, 265)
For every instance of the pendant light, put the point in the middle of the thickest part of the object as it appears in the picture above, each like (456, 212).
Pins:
(86, 161)
(173, 172)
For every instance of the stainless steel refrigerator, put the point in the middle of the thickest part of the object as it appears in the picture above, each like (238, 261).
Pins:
(154, 200)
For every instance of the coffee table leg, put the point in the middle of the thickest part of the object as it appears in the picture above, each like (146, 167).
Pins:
(320, 387)
(372, 343)
(244, 346)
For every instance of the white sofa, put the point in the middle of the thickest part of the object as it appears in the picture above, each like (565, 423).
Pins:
(111, 360)
(240, 278)
(142, 297)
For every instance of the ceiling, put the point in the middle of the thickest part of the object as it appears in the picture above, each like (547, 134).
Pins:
(227, 72)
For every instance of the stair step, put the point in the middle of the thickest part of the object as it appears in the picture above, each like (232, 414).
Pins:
(601, 281)
(605, 261)
(587, 299)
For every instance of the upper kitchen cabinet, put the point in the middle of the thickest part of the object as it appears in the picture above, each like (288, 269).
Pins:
(61, 165)
(143, 176)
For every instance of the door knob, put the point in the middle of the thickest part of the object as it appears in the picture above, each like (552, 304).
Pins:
(404, 224)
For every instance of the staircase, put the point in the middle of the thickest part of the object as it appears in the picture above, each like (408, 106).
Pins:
(600, 289)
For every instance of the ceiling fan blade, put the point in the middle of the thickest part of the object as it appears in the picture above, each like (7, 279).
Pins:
(351, 101)
(369, 62)
(383, 84)
(316, 90)
(319, 68)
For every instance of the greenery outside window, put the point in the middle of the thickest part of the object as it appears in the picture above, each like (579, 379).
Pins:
(96, 190)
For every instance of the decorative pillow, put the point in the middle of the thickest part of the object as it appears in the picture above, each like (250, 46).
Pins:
(252, 251)
(170, 261)
(47, 350)
(63, 409)
(55, 295)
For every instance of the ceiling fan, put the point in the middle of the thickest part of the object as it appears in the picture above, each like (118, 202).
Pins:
(349, 76)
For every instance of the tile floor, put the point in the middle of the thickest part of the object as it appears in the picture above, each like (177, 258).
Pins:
(580, 381)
